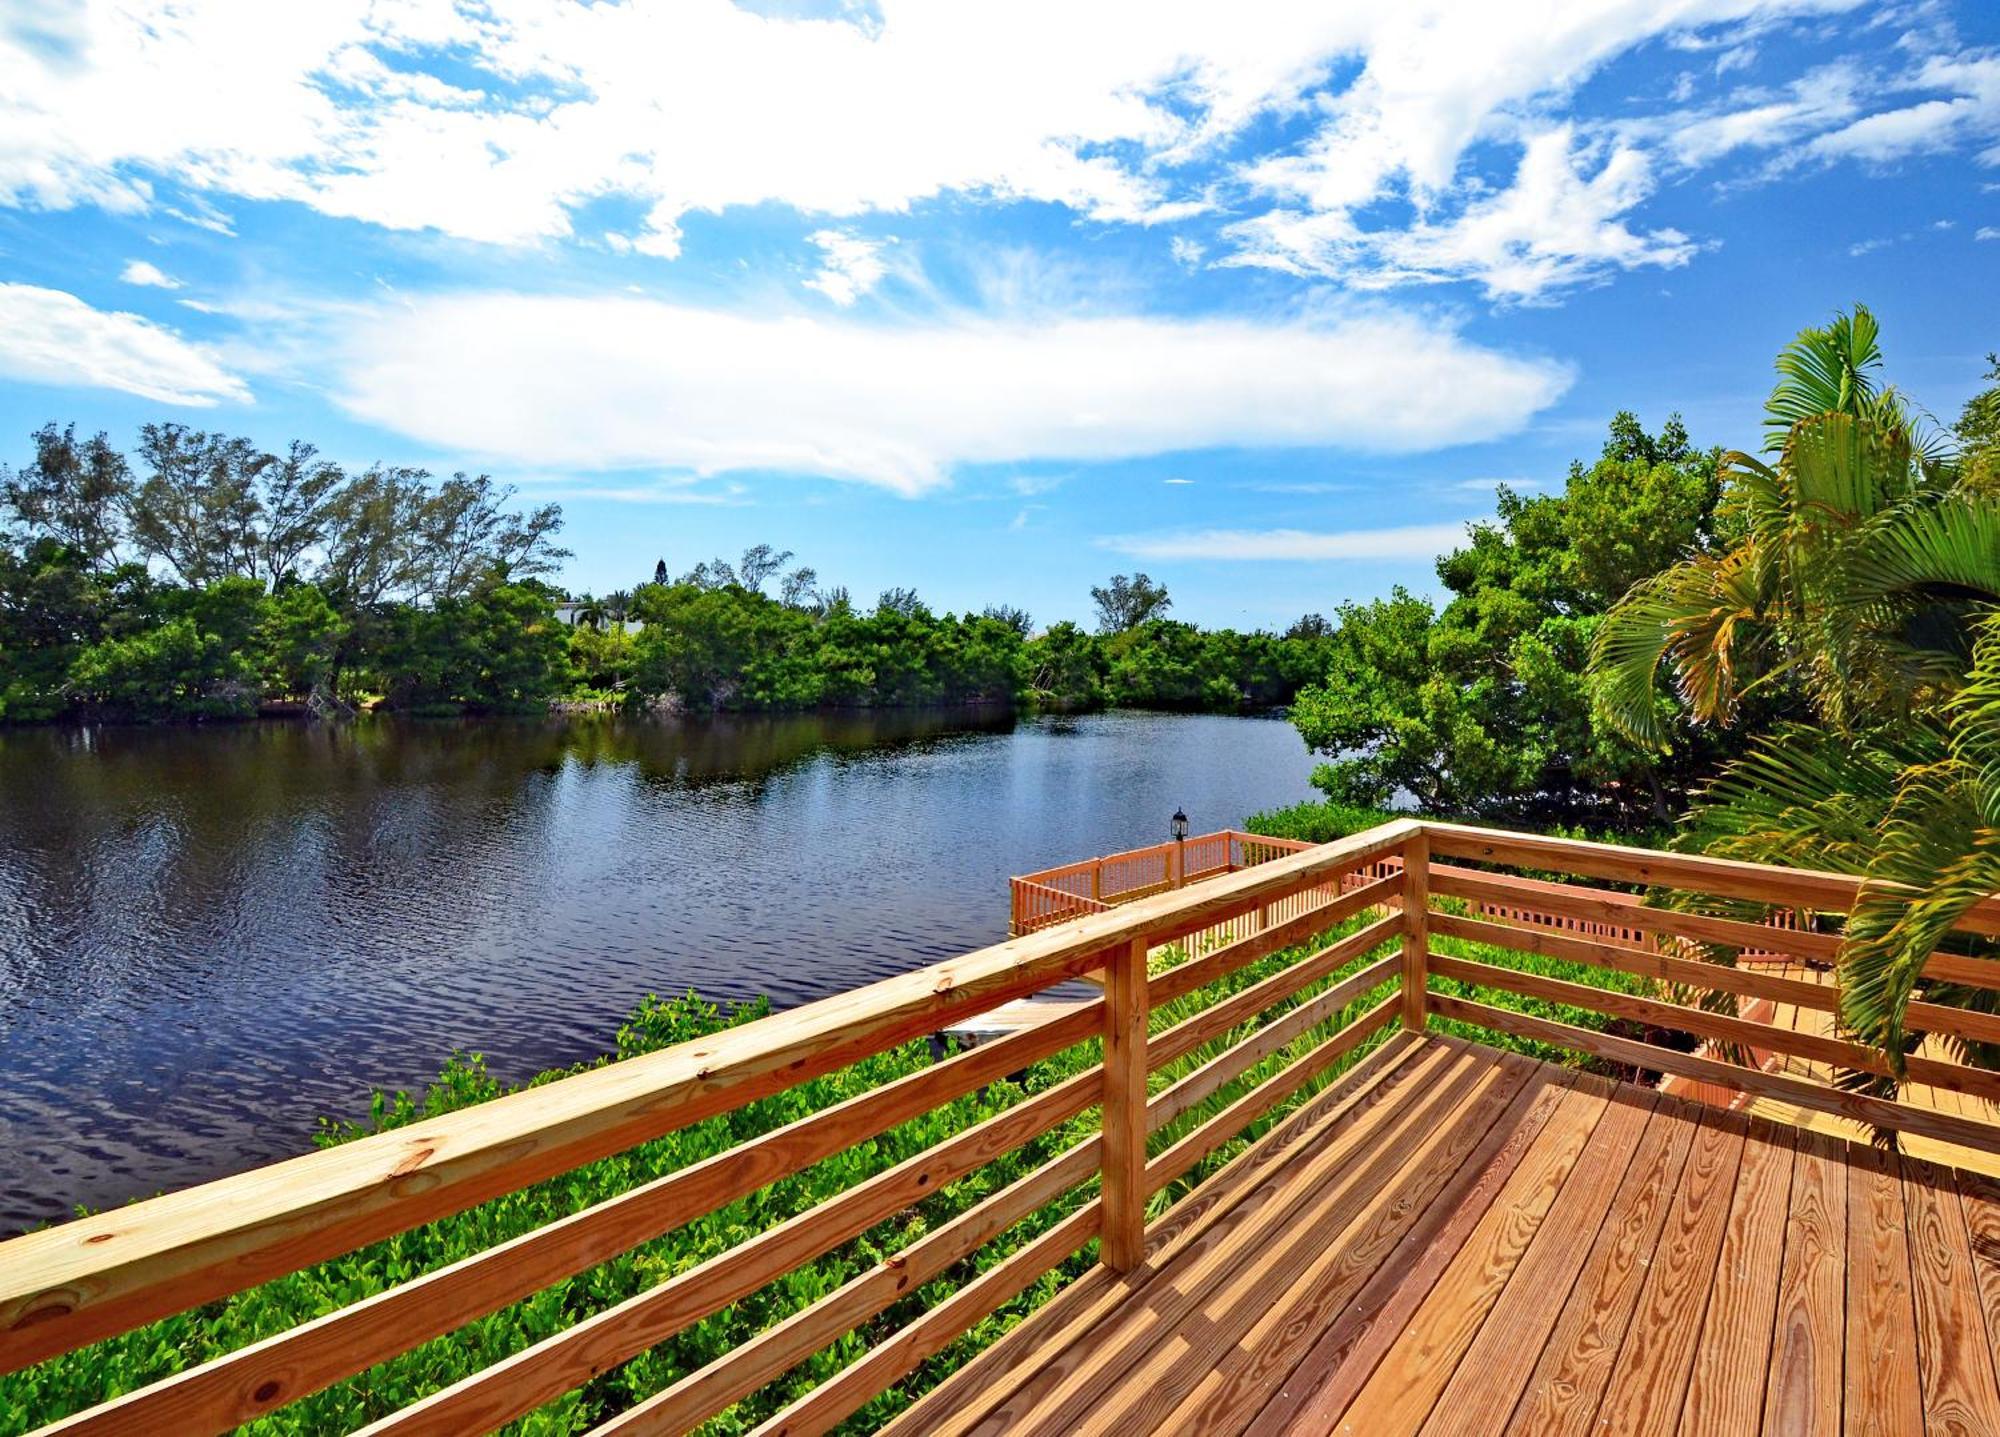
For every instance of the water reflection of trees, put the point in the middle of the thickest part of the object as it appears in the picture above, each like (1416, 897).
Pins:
(118, 834)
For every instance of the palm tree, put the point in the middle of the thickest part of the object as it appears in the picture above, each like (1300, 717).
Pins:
(1857, 591)
(618, 606)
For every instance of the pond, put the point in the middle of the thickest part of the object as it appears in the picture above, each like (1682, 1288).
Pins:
(212, 937)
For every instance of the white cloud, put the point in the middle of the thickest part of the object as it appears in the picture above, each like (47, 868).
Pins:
(1867, 246)
(48, 336)
(622, 382)
(1987, 232)
(1186, 252)
(1928, 125)
(850, 266)
(1554, 226)
(1409, 541)
(1177, 480)
(693, 106)
(1311, 486)
(143, 272)
(1817, 100)
(703, 105)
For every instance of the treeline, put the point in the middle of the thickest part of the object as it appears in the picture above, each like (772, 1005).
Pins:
(732, 647)
(205, 578)
(212, 576)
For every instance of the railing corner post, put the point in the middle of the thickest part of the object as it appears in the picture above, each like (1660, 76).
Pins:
(1416, 930)
(1122, 1241)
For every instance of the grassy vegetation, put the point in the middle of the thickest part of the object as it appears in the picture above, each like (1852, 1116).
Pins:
(75, 1381)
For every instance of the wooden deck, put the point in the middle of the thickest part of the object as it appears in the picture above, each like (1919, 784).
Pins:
(1447, 1238)
(1456, 1240)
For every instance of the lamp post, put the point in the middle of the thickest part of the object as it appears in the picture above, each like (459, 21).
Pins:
(1180, 851)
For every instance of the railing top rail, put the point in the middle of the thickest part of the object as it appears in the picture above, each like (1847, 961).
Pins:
(1085, 865)
(100, 1275)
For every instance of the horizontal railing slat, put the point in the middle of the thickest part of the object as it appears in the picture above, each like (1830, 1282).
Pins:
(1725, 877)
(1226, 1124)
(1597, 905)
(779, 1348)
(827, 1405)
(101, 1275)
(254, 1380)
(1273, 1037)
(518, 1384)
(1229, 1012)
(1813, 1047)
(1691, 972)
(1197, 973)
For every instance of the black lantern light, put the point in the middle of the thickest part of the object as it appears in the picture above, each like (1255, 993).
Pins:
(1180, 826)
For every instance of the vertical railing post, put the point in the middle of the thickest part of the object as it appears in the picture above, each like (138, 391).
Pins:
(1122, 1243)
(1416, 929)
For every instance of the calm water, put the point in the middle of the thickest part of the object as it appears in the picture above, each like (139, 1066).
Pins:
(210, 937)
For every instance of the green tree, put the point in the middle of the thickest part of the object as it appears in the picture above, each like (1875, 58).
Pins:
(73, 493)
(1482, 708)
(1066, 668)
(1127, 602)
(194, 663)
(498, 649)
(298, 636)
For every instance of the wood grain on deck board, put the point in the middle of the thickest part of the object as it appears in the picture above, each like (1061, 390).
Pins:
(1575, 1364)
(1884, 1397)
(1341, 1360)
(1403, 1388)
(1808, 1335)
(1078, 1381)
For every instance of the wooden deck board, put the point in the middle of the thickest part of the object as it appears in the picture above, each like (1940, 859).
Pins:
(1807, 1339)
(1953, 1357)
(1344, 1356)
(1500, 1360)
(1725, 1395)
(1454, 1240)
(1237, 1377)
(1650, 1374)
(1883, 1395)
(1574, 1366)
(1108, 1369)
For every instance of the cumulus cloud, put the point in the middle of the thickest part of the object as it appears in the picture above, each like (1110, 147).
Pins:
(622, 381)
(147, 275)
(1408, 541)
(692, 106)
(850, 266)
(500, 121)
(48, 336)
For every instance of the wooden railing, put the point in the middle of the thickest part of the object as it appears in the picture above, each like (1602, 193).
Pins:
(1153, 1055)
(1692, 958)
(1092, 885)
(108, 1274)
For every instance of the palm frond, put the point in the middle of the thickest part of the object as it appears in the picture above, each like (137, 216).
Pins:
(1828, 370)
(1701, 620)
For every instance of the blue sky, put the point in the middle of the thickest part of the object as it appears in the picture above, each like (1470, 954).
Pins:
(989, 299)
